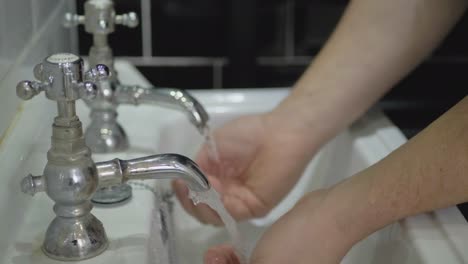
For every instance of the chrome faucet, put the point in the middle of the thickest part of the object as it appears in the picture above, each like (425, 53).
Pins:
(71, 177)
(105, 134)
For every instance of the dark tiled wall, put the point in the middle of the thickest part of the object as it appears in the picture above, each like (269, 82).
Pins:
(262, 44)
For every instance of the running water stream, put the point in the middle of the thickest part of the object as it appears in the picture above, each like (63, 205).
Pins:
(213, 152)
(213, 200)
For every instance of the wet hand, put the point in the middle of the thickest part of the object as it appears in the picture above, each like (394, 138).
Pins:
(306, 234)
(261, 158)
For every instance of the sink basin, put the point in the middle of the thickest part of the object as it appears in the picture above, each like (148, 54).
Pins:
(135, 227)
(426, 238)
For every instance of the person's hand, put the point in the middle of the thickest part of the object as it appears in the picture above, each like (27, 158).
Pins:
(306, 234)
(261, 158)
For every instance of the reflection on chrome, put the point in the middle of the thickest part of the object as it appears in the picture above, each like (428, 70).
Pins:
(105, 134)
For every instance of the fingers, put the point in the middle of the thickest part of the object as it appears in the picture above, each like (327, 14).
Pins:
(242, 203)
(223, 254)
(238, 200)
(237, 145)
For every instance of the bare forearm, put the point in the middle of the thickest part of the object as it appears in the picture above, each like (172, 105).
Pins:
(427, 173)
(375, 45)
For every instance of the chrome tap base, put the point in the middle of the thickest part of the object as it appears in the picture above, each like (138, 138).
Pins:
(105, 134)
(80, 238)
(112, 194)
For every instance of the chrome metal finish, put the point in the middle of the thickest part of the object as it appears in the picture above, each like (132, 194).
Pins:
(99, 19)
(130, 19)
(60, 77)
(32, 184)
(70, 175)
(105, 134)
(168, 97)
(163, 166)
(113, 194)
(75, 238)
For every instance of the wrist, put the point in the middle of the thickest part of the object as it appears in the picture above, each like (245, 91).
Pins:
(322, 223)
(319, 112)
(300, 118)
(355, 208)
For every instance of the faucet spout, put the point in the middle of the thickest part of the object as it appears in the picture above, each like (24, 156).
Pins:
(163, 166)
(168, 97)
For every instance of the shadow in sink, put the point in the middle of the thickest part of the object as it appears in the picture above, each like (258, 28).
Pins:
(112, 205)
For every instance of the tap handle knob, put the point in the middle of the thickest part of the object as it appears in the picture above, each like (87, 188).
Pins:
(98, 73)
(72, 20)
(87, 89)
(28, 89)
(130, 19)
(32, 184)
(62, 78)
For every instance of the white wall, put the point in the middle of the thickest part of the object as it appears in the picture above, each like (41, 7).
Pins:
(30, 30)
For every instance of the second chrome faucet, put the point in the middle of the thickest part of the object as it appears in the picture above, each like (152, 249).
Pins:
(105, 134)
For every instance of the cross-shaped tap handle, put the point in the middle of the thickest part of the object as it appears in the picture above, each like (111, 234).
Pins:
(129, 19)
(100, 18)
(72, 20)
(62, 78)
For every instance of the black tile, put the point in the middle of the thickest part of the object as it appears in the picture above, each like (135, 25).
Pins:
(464, 210)
(277, 76)
(412, 121)
(315, 21)
(456, 42)
(189, 28)
(434, 82)
(179, 77)
(270, 30)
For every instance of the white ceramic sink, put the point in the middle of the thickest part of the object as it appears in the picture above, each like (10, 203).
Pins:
(134, 227)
